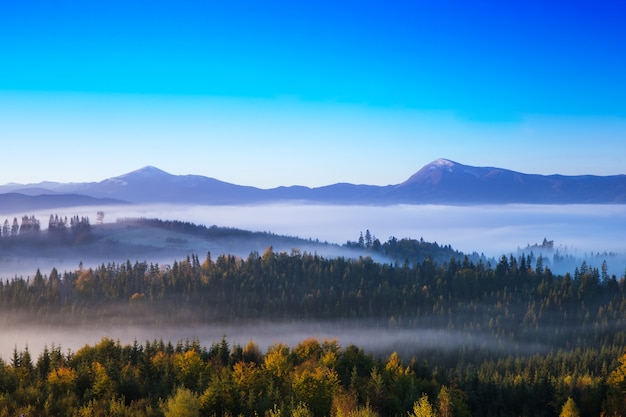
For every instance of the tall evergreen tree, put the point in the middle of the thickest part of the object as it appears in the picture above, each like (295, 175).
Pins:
(6, 229)
(569, 409)
(15, 227)
(368, 239)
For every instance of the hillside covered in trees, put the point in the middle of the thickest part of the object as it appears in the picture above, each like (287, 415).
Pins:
(66, 242)
(527, 339)
(313, 378)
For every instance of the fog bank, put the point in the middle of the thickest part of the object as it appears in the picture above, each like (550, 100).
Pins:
(372, 337)
(491, 230)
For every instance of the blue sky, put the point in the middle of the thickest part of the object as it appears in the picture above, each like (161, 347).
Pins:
(312, 93)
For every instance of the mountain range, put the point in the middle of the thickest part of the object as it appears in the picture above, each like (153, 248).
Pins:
(440, 182)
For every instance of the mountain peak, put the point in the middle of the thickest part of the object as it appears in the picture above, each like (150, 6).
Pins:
(147, 172)
(441, 163)
(440, 182)
(433, 171)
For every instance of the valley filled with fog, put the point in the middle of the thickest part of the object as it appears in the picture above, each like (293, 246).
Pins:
(374, 337)
(577, 230)
(492, 230)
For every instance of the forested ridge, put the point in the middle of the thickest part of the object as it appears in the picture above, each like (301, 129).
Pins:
(77, 231)
(313, 378)
(578, 318)
(511, 294)
(527, 342)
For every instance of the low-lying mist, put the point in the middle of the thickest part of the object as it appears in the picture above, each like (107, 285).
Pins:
(372, 336)
(577, 230)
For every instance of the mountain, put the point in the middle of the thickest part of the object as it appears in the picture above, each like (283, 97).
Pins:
(440, 182)
(151, 185)
(447, 182)
(24, 203)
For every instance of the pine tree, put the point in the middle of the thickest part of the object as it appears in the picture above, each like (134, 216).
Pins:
(368, 239)
(444, 403)
(569, 409)
(15, 227)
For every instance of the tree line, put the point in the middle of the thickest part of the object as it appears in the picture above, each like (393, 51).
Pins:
(409, 250)
(313, 378)
(547, 344)
(510, 301)
(57, 226)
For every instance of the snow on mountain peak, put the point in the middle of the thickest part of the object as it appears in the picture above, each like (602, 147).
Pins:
(146, 172)
(442, 163)
(150, 170)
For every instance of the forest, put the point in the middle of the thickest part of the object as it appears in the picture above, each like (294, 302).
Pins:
(532, 343)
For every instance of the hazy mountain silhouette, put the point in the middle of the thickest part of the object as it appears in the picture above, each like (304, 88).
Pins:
(23, 202)
(440, 182)
(444, 181)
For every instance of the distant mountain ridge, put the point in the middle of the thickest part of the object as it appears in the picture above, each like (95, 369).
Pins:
(25, 202)
(440, 182)
(445, 181)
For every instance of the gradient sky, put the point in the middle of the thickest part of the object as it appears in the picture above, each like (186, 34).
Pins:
(305, 92)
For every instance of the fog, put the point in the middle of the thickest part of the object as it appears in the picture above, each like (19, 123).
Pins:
(373, 337)
(490, 230)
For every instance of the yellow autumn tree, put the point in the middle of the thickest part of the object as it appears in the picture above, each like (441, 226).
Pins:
(85, 283)
(184, 403)
(61, 381)
(188, 368)
(422, 408)
(615, 401)
(569, 409)
(316, 388)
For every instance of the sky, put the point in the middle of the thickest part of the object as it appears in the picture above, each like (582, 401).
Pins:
(310, 92)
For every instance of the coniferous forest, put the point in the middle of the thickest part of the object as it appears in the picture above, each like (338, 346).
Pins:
(529, 342)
